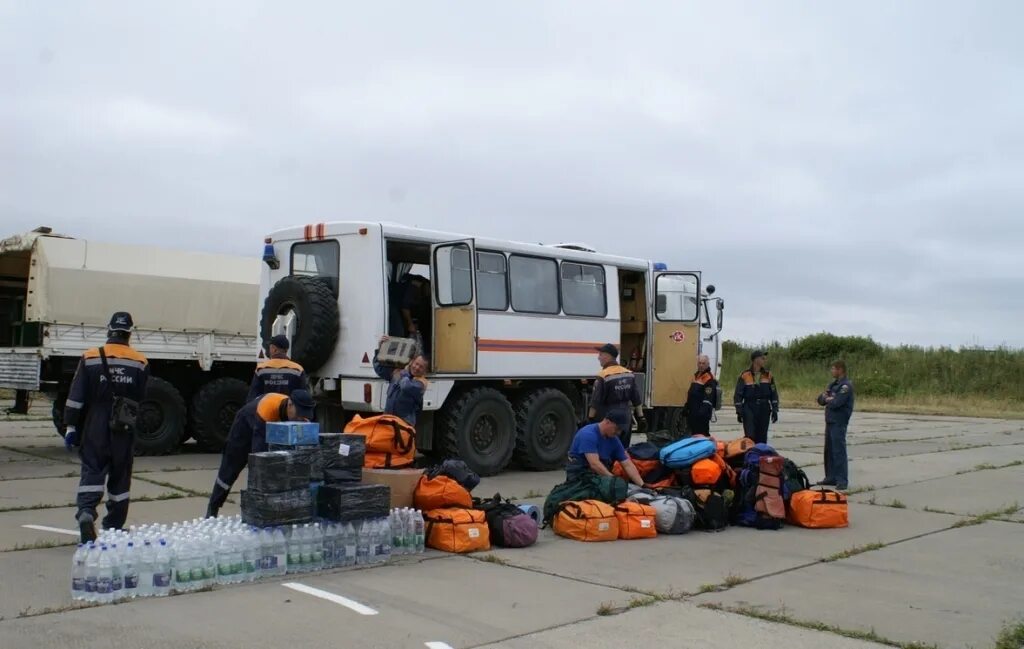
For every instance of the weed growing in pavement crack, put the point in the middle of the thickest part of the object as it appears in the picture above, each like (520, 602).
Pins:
(707, 588)
(854, 551)
(782, 618)
(897, 504)
(28, 508)
(492, 558)
(40, 545)
(732, 580)
(607, 608)
(860, 490)
(988, 466)
(933, 510)
(987, 516)
(159, 483)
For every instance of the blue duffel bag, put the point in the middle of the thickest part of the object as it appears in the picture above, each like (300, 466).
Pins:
(684, 453)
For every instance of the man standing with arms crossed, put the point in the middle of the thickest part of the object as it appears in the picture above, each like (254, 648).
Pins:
(838, 401)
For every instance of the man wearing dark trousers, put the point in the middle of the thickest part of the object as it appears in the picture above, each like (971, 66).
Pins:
(700, 399)
(248, 434)
(756, 399)
(615, 389)
(104, 373)
(838, 401)
(278, 374)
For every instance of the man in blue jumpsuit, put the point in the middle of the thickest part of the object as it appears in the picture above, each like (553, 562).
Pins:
(838, 401)
(700, 398)
(278, 374)
(114, 370)
(248, 434)
(615, 389)
(596, 448)
(756, 399)
(406, 386)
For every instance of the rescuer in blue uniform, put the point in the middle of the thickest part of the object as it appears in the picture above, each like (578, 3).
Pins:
(114, 371)
(278, 374)
(838, 401)
(700, 399)
(406, 386)
(615, 389)
(756, 399)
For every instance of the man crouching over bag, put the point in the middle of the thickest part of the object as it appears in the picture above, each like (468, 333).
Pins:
(597, 447)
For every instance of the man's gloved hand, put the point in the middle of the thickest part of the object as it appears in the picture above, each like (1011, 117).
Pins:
(739, 417)
(775, 417)
(71, 438)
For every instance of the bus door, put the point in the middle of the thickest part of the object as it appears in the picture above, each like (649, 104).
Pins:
(453, 275)
(675, 338)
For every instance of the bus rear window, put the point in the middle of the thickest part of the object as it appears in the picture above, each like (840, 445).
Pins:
(317, 259)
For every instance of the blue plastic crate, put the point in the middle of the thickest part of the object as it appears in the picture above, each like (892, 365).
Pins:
(293, 433)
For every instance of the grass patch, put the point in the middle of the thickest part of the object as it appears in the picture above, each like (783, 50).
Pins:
(782, 618)
(606, 608)
(934, 510)
(854, 551)
(987, 516)
(28, 611)
(1011, 637)
(860, 490)
(492, 558)
(732, 580)
(164, 496)
(159, 483)
(40, 545)
(707, 588)
(28, 508)
(897, 504)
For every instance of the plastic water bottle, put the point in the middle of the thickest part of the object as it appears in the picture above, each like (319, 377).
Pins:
(409, 530)
(419, 526)
(131, 571)
(266, 552)
(385, 537)
(254, 556)
(92, 559)
(208, 558)
(362, 542)
(280, 552)
(327, 549)
(294, 551)
(223, 559)
(146, 569)
(162, 570)
(117, 571)
(78, 573)
(104, 577)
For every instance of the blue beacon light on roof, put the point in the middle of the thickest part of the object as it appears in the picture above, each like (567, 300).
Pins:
(660, 265)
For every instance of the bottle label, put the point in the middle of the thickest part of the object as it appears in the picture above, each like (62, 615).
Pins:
(280, 561)
(90, 584)
(117, 583)
(77, 583)
(161, 580)
(131, 581)
(104, 585)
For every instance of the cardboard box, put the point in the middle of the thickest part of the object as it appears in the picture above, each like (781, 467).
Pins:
(402, 483)
(397, 351)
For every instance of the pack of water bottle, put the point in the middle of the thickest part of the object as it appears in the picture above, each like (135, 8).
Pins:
(158, 559)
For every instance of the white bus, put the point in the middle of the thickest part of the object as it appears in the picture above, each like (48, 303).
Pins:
(512, 331)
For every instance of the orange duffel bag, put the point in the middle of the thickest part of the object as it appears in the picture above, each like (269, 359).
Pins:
(440, 492)
(818, 508)
(390, 441)
(457, 530)
(586, 520)
(736, 450)
(636, 521)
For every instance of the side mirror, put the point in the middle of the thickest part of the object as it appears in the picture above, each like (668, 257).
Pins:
(721, 309)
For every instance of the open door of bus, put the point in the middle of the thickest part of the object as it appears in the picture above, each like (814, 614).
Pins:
(453, 271)
(675, 337)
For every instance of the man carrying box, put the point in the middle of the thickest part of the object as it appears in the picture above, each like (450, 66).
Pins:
(248, 435)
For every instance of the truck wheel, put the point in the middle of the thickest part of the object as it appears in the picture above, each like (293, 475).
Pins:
(674, 421)
(315, 308)
(161, 423)
(480, 429)
(57, 413)
(213, 411)
(545, 424)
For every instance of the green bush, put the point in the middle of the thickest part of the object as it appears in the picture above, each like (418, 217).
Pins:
(827, 347)
(873, 386)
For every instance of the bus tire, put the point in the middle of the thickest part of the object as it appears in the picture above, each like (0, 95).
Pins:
(162, 417)
(316, 316)
(545, 425)
(479, 429)
(213, 412)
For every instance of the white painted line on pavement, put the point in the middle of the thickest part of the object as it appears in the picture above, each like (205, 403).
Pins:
(438, 645)
(331, 597)
(58, 530)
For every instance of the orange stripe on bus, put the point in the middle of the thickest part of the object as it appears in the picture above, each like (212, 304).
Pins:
(320, 230)
(537, 346)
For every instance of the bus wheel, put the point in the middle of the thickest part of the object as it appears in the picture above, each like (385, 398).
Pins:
(213, 411)
(161, 422)
(545, 424)
(480, 429)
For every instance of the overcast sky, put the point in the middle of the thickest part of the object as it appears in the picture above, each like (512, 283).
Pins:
(856, 169)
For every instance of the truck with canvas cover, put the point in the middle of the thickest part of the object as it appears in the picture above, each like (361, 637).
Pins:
(195, 320)
(511, 329)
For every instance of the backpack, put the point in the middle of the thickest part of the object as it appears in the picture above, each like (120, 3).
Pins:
(390, 441)
(685, 452)
(793, 479)
(705, 473)
(636, 520)
(712, 510)
(458, 471)
(735, 452)
(672, 514)
(457, 530)
(586, 520)
(762, 504)
(440, 492)
(643, 451)
(588, 486)
(510, 527)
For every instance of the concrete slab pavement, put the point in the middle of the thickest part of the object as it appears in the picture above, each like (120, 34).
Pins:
(60, 492)
(703, 558)
(680, 624)
(885, 472)
(200, 480)
(954, 589)
(974, 493)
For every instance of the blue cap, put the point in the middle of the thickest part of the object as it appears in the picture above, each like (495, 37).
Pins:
(620, 418)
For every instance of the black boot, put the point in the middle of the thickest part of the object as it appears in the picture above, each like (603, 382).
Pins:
(87, 529)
